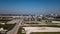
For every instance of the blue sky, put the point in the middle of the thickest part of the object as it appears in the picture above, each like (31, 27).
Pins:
(29, 6)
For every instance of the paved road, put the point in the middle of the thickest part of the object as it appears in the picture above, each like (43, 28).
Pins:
(15, 29)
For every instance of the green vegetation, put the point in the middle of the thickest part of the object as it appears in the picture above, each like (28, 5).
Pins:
(33, 24)
(41, 25)
(4, 21)
(45, 25)
(57, 17)
(1, 25)
(20, 31)
(45, 33)
(7, 26)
